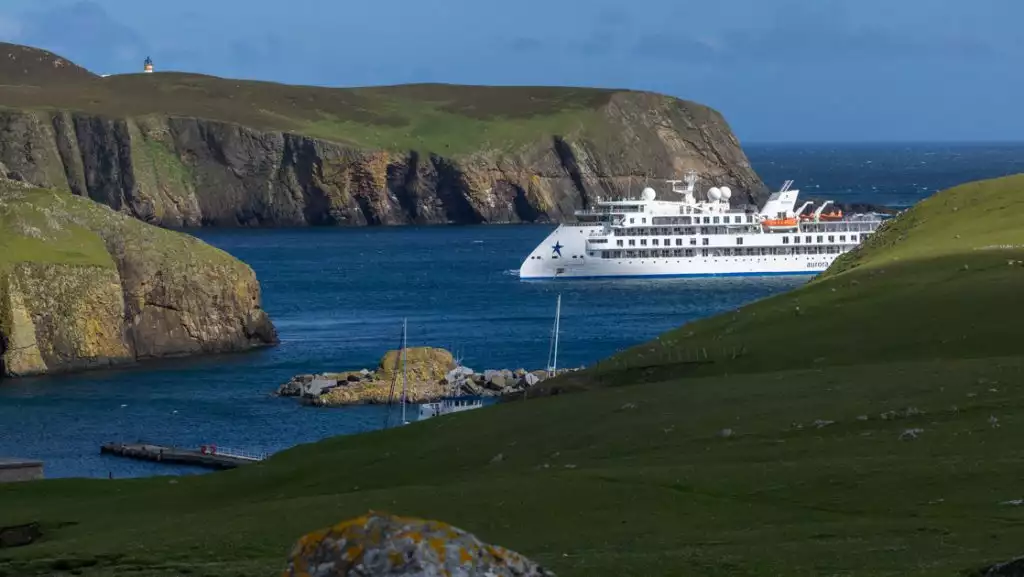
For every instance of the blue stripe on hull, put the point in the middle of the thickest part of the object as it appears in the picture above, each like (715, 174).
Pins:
(683, 275)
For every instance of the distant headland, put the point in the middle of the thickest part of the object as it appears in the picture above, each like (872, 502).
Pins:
(187, 150)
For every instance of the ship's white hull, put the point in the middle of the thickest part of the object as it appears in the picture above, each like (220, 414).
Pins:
(645, 237)
(574, 262)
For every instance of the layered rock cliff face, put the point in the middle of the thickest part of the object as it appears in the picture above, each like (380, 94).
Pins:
(82, 286)
(177, 171)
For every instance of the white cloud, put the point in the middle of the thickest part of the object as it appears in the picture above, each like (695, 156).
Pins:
(10, 28)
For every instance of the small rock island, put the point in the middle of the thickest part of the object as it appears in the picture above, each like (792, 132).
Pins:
(431, 374)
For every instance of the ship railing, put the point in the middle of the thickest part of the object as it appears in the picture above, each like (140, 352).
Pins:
(241, 454)
(606, 210)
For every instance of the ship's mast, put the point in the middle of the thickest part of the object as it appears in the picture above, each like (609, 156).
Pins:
(553, 353)
(405, 356)
(690, 179)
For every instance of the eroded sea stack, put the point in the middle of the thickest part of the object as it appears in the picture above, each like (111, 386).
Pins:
(82, 286)
(189, 150)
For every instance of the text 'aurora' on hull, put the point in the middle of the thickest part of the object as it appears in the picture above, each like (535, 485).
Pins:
(644, 237)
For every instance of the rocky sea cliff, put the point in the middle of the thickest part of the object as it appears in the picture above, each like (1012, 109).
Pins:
(182, 150)
(186, 172)
(82, 286)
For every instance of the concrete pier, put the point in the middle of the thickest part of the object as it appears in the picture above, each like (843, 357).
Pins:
(209, 457)
(12, 470)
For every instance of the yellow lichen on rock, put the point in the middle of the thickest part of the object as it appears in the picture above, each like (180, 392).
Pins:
(422, 364)
(425, 370)
(22, 356)
(73, 314)
(378, 393)
(381, 544)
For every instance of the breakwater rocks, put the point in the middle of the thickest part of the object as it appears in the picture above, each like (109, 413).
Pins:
(431, 374)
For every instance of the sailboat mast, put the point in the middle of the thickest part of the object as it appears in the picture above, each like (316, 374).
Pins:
(405, 355)
(558, 314)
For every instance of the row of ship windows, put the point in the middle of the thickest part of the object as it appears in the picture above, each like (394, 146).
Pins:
(704, 252)
(739, 241)
(689, 231)
(739, 219)
(641, 231)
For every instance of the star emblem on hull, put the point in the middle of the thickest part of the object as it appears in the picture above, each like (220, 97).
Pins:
(557, 248)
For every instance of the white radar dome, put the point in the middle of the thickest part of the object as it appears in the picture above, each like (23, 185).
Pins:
(726, 192)
(649, 193)
(715, 193)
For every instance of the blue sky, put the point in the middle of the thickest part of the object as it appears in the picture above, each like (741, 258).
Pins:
(780, 70)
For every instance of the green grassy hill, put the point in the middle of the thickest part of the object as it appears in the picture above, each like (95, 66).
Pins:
(446, 118)
(874, 431)
(942, 281)
(24, 65)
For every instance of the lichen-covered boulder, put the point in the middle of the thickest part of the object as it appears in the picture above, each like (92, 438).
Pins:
(381, 545)
(1013, 568)
(423, 364)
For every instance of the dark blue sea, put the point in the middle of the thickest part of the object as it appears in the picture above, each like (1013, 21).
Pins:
(338, 298)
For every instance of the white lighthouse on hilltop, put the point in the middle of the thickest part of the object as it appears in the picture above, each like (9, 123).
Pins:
(147, 66)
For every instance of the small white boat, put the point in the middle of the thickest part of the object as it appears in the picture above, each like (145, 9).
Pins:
(449, 405)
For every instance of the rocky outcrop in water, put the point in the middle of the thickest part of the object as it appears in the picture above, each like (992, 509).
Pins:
(82, 286)
(431, 374)
(184, 172)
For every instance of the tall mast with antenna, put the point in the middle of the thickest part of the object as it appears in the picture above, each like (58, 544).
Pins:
(553, 352)
(405, 356)
(558, 317)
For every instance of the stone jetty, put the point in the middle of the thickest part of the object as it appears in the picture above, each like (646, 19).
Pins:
(431, 374)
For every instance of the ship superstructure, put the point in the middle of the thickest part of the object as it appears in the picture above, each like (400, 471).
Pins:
(647, 237)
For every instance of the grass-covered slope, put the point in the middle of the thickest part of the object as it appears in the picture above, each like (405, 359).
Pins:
(943, 280)
(623, 481)
(24, 65)
(444, 118)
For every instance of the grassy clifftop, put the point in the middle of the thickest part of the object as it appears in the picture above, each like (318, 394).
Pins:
(447, 119)
(23, 65)
(441, 118)
(32, 232)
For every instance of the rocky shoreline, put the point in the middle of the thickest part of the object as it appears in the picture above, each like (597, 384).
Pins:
(431, 374)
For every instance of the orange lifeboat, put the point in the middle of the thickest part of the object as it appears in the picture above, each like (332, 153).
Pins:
(780, 223)
(834, 215)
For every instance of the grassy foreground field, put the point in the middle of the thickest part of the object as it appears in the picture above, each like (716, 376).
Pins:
(624, 481)
(875, 431)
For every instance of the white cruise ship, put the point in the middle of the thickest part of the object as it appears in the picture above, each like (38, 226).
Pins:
(646, 237)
